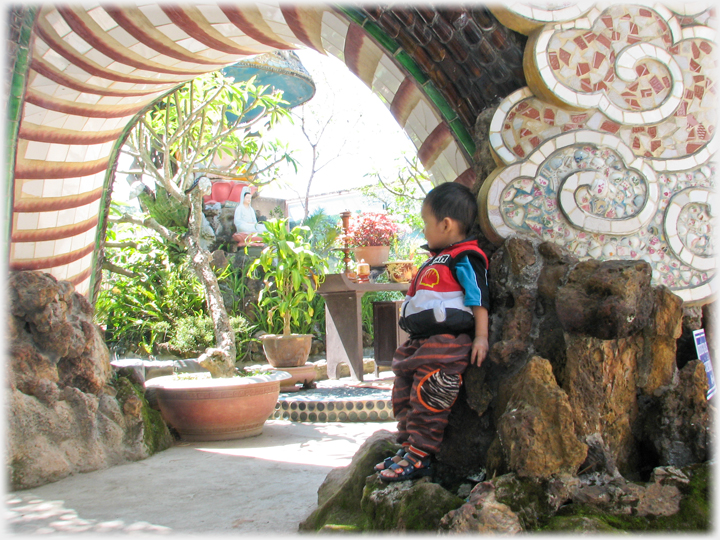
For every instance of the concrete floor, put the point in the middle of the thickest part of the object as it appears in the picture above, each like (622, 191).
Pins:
(262, 485)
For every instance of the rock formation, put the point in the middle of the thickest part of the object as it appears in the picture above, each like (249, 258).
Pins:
(580, 404)
(578, 350)
(66, 411)
(353, 499)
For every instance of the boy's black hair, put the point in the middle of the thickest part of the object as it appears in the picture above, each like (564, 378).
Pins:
(455, 201)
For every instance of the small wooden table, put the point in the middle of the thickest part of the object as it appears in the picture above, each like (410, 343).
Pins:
(343, 320)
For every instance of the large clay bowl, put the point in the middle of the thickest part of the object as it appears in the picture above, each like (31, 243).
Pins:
(286, 351)
(206, 409)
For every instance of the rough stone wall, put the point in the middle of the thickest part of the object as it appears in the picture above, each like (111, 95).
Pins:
(65, 411)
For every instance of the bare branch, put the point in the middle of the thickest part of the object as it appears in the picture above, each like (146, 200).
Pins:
(110, 267)
(153, 225)
(388, 188)
(143, 154)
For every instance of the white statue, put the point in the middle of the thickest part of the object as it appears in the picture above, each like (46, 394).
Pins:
(245, 218)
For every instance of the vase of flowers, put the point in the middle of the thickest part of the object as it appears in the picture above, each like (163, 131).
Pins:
(370, 234)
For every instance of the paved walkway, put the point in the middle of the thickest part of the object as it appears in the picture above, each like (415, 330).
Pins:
(263, 485)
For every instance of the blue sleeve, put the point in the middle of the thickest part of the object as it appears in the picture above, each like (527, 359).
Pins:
(475, 295)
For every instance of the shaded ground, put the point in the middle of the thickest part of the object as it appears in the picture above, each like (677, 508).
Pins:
(265, 484)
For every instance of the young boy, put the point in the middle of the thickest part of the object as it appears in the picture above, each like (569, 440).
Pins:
(445, 314)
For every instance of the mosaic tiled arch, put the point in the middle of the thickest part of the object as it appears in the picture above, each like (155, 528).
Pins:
(609, 151)
(83, 73)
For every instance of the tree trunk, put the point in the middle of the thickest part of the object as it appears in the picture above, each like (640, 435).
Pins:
(220, 361)
(306, 206)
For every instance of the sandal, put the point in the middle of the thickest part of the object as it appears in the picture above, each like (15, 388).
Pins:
(409, 467)
(388, 461)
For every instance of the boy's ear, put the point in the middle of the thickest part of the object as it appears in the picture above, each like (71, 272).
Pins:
(449, 223)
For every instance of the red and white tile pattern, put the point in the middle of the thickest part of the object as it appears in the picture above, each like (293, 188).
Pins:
(95, 67)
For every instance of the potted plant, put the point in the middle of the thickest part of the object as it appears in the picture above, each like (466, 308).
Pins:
(371, 235)
(292, 273)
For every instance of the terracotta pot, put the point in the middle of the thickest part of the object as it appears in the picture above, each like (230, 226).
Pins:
(286, 351)
(373, 255)
(206, 409)
(401, 271)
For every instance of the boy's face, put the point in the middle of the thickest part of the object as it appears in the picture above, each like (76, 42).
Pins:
(439, 233)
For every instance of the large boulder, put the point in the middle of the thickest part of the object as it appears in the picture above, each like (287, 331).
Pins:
(353, 498)
(405, 506)
(483, 514)
(658, 366)
(567, 425)
(600, 381)
(536, 434)
(65, 413)
(340, 494)
(606, 300)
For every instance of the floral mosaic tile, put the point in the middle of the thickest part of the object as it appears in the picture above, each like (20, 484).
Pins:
(685, 131)
(679, 246)
(627, 172)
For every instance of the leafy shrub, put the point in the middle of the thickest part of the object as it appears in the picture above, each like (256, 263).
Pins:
(192, 335)
(371, 229)
(138, 308)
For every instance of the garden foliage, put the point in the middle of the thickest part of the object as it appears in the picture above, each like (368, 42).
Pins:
(157, 305)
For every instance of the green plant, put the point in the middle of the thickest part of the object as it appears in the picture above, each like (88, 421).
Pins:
(407, 248)
(148, 285)
(325, 231)
(193, 334)
(235, 280)
(292, 272)
(403, 192)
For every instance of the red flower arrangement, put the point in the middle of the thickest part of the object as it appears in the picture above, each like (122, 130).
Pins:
(372, 229)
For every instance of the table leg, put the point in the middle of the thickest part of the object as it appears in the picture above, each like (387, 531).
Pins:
(343, 327)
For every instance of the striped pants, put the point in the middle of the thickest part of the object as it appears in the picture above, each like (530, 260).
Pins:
(428, 375)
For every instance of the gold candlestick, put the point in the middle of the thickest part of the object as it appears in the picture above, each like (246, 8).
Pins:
(345, 216)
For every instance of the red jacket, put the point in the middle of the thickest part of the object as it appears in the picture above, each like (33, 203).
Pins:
(435, 301)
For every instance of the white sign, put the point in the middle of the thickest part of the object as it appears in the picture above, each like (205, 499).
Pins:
(704, 355)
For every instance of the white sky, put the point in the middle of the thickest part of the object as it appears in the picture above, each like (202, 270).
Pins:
(363, 133)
